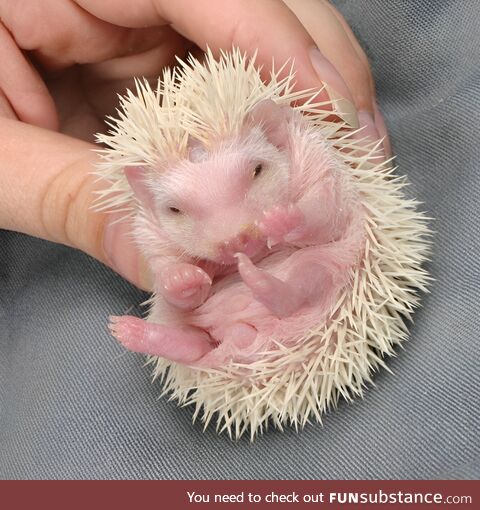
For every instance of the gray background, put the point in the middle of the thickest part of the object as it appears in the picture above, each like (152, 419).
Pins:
(73, 404)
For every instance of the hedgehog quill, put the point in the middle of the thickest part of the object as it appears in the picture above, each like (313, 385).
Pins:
(284, 253)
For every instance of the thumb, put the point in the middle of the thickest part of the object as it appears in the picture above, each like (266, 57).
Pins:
(47, 191)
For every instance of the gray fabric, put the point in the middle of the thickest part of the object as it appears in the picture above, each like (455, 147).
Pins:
(73, 404)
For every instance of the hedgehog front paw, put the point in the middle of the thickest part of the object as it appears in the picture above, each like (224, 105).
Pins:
(282, 224)
(184, 285)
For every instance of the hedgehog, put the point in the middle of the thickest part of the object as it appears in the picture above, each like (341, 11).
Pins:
(285, 254)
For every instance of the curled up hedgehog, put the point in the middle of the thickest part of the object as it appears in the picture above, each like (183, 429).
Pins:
(285, 254)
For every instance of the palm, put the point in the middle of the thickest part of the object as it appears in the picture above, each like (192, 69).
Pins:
(79, 115)
(83, 103)
(85, 62)
(85, 94)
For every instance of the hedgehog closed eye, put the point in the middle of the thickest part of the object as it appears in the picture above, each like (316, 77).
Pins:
(175, 210)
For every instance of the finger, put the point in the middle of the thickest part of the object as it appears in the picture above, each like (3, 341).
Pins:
(103, 81)
(22, 86)
(148, 62)
(248, 24)
(6, 109)
(65, 34)
(351, 36)
(334, 43)
(377, 115)
(47, 191)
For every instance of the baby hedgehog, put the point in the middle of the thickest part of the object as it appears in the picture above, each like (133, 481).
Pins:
(283, 251)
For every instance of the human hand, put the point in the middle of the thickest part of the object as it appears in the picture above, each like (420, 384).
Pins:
(86, 52)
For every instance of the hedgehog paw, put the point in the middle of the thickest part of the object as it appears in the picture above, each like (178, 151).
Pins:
(179, 344)
(185, 286)
(129, 331)
(282, 224)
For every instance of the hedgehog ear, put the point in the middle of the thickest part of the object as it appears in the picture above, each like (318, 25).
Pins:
(272, 118)
(136, 178)
(197, 151)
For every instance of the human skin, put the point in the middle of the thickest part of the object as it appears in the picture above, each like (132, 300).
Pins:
(64, 61)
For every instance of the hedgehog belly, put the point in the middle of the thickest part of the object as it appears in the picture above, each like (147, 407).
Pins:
(232, 309)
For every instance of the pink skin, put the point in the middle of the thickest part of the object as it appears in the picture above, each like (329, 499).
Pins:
(181, 344)
(249, 242)
(281, 298)
(212, 202)
(218, 214)
(185, 286)
(283, 224)
(184, 345)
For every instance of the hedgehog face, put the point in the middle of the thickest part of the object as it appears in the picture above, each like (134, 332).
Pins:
(210, 204)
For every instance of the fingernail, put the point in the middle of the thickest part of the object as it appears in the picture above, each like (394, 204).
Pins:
(382, 129)
(367, 125)
(335, 87)
(343, 107)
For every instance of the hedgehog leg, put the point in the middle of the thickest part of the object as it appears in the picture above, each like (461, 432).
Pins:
(179, 344)
(281, 298)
